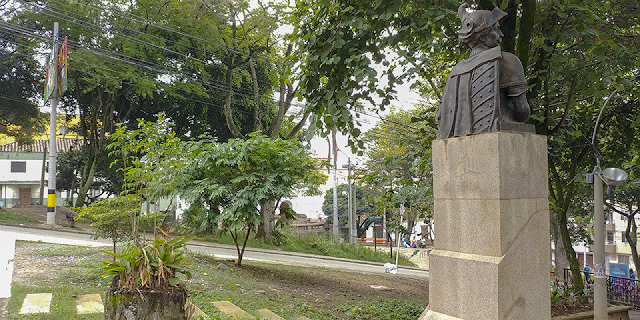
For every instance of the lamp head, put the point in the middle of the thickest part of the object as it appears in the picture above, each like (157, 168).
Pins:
(614, 176)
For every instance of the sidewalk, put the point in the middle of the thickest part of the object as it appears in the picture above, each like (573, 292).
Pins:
(634, 314)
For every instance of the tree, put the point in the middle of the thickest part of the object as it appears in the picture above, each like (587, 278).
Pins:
(363, 208)
(19, 115)
(113, 218)
(241, 176)
(399, 164)
(574, 53)
(626, 201)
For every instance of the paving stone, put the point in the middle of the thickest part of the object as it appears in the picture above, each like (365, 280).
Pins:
(300, 318)
(36, 303)
(264, 313)
(89, 303)
(231, 309)
(195, 311)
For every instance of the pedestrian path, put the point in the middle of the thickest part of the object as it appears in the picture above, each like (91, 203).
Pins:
(41, 303)
(230, 309)
(92, 303)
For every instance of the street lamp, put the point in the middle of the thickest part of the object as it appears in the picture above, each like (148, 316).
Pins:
(613, 177)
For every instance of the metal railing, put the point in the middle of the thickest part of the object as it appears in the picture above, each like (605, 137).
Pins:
(620, 290)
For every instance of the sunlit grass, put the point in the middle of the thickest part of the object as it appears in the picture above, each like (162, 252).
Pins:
(16, 218)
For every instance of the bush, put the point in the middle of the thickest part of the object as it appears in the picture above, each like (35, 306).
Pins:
(114, 218)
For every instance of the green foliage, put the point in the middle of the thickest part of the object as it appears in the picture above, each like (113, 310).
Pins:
(346, 41)
(362, 207)
(19, 115)
(150, 156)
(152, 265)
(241, 176)
(399, 166)
(115, 218)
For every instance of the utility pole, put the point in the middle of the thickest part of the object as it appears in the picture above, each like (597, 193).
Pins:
(52, 82)
(354, 233)
(349, 215)
(335, 185)
(54, 88)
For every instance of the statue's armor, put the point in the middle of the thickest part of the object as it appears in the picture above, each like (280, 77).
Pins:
(484, 99)
(475, 98)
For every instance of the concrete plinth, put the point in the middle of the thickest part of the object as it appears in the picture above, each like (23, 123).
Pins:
(491, 215)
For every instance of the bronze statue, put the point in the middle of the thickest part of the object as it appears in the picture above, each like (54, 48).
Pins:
(485, 92)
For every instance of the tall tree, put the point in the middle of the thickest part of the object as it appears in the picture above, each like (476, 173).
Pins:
(19, 71)
(399, 149)
(574, 52)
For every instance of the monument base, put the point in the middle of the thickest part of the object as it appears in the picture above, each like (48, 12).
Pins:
(491, 215)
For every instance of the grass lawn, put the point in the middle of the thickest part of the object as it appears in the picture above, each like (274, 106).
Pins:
(317, 293)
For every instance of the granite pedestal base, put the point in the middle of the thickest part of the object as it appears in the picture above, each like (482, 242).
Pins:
(491, 215)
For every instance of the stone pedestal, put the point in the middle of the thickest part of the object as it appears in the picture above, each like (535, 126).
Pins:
(491, 215)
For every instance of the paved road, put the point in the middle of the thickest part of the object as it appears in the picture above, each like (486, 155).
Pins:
(217, 250)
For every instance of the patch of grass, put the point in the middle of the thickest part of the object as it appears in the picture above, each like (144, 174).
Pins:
(16, 218)
(63, 304)
(317, 293)
(65, 250)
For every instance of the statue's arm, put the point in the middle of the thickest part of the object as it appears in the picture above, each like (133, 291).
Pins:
(513, 80)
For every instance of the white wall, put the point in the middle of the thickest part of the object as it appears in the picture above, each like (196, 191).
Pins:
(33, 173)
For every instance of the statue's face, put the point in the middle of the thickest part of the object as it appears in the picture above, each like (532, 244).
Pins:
(493, 38)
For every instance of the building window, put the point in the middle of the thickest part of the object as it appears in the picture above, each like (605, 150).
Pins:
(622, 259)
(18, 166)
(610, 237)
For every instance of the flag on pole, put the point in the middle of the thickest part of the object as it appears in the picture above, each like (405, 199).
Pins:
(62, 68)
(50, 78)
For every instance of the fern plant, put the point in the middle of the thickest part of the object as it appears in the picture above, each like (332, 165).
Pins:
(150, 265)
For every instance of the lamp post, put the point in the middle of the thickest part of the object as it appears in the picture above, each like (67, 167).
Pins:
(612, 177)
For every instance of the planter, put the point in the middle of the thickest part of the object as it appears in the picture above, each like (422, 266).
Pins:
(615, 313)
(146, 304)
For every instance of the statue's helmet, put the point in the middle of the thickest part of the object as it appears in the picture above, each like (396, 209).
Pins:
(476, 22)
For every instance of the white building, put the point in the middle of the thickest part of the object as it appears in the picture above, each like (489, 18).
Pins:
(23, 176)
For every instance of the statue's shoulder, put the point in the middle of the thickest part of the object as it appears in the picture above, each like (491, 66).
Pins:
(510, 58)
(473, 62)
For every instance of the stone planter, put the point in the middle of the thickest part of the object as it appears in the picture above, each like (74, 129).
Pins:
(146, 304)
(615, 313)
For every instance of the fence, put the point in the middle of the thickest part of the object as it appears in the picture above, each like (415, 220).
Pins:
(620, 290)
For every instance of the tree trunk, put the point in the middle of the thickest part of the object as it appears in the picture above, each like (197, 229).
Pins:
(267, 212)
(167, 304)
(631, 233)
(87, 179)
(574, 265)
(257, 112)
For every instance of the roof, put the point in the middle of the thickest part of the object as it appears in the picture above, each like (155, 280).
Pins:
(62, 145)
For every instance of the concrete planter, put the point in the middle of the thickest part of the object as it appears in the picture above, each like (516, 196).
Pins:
(146, 304)
(615, 313)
